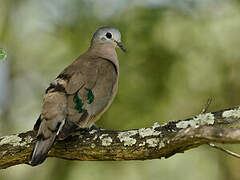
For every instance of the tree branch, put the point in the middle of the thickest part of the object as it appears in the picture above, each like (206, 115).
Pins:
(139, 144)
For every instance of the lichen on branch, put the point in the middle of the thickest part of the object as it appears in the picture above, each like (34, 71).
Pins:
(138, 144)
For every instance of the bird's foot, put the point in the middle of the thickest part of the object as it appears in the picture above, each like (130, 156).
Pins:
(87, 129)
(94, 127)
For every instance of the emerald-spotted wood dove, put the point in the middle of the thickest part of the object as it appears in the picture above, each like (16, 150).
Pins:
(80, 94)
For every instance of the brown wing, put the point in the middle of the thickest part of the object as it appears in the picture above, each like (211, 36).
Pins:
(87, 102)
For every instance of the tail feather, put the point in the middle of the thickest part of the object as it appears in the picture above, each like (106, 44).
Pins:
(41, 150)
(45, 139)
(66, 130)
(50, 122)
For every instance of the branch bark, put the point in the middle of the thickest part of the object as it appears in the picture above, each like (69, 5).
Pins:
(140, 144)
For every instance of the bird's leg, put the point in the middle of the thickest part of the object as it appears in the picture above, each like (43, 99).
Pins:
(87, 129)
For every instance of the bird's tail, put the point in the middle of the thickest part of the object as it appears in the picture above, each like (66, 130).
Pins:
(41, 149)
(45, 139)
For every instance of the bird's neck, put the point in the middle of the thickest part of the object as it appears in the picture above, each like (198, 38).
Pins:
(105, 51)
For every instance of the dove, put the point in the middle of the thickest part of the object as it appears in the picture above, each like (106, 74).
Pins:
(80, 94)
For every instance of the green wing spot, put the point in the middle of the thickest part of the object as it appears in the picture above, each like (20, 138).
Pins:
(79, 103)
(3, 54)
(90, 96)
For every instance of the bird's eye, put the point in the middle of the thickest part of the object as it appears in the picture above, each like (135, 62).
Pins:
(108, 35)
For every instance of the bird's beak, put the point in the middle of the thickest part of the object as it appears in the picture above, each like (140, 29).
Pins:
(119, 44)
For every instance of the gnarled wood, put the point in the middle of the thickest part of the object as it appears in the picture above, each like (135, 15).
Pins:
(140, 144)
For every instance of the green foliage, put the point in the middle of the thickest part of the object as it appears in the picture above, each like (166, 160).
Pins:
(3, 54)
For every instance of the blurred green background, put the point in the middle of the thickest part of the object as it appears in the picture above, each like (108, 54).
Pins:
(180, 53)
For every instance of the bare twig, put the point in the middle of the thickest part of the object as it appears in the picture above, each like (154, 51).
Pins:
(224, 150)
(204, 110)
(207, 105)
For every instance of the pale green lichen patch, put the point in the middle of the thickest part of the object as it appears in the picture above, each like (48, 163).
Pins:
(92, 131)
(148, 132)
(184, 124)
(126, 138)
(142, 144)
(152, 142)
(103, 135)
(4, 152)
(106, 141)
(95, 137)
(28, 140)
(156, 125)
(13, 140)
(207, 118)
(93, 145)
(128, 133)
(201, 119)
(231, 113)
(161, 145)
(128, 141)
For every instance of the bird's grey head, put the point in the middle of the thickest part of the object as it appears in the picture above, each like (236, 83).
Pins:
(108, 35)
